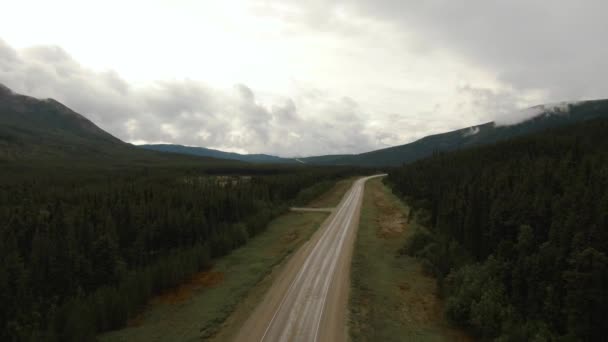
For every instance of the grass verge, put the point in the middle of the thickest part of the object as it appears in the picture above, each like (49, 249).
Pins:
(391, 297)
(215, 302)
(332, 197)
(197, 309)
(232, 324)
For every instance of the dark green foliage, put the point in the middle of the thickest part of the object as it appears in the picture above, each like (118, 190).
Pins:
(81, 252)
(92, 227)
(207, 152)
(34, 130)
(518, 233)
(468, 137)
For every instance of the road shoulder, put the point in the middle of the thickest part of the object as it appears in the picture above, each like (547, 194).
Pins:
(284, 270)
(217, 301)
(391, 297)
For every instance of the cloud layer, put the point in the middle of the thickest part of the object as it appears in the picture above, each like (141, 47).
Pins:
(187, 111)
(310, 77)
(540, 45)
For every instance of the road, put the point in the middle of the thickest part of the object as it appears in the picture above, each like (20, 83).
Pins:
(308, 300)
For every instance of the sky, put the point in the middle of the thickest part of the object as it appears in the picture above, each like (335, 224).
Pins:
(306, 77)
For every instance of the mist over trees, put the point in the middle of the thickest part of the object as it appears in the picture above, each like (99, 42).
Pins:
(518, 233)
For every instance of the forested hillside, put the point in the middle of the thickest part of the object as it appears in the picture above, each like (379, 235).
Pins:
(46, 129)
(548, 117)
(518, 233)
(207, 152)
(37, 133)
(82, 252)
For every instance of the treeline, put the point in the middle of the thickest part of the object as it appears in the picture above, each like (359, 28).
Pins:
(80, 254)
(518, 233)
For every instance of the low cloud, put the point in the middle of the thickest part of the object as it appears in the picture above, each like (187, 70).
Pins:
(189, 112)
(392, 71)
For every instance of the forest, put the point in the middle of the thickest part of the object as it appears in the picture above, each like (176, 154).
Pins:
(83, 249)
(517, 233)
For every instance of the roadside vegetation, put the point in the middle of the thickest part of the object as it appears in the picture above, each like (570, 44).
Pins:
(216, 302)
(517, 233)
(331, 198)
(392, 299)
(83, 251)
(198, 308)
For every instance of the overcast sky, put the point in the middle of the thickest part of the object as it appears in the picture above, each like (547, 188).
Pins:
(298, 78)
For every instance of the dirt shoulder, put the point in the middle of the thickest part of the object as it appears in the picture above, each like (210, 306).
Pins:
(332, 197)
(391, 297)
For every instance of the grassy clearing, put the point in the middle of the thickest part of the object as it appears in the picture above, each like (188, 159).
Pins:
(199, 307)
(332, 197)
(391, 298)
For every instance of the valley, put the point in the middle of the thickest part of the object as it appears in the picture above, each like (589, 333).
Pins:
(491, 232)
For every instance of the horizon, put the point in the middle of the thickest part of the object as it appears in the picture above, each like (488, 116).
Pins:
(283, 170)
(523, 115)
(273, 77)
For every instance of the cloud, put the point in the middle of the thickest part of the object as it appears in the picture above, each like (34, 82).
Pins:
(392, 71)
(537, 45)
(187, 111)
(276, 76)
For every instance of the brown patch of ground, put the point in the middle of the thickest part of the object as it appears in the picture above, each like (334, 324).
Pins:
(136, 321)
(420, 303)
(183, 292)
(290, 237)
(332, 197)
(391, 222)
(415, 301)
(420, 307)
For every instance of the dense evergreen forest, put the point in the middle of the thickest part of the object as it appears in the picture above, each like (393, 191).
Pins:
(83, 249)
(518, 233)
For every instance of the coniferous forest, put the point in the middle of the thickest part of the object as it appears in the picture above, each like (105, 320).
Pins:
(518, 233)
(91, 227)
(84, 249)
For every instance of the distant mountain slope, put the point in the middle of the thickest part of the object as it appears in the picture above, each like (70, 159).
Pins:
(328, 159)
(207, 152)
(33, 128)
(552, 116)
(45, 130)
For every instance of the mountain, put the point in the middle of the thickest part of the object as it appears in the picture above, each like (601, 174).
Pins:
(550, 116)
(34, 130)
(207, 152)
(332, 159)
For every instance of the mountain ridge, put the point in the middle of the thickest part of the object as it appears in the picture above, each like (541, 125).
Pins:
(208, 152)
(35, 129)
(547, 116)
(45, 130)
(488, 133)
